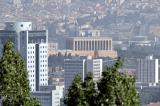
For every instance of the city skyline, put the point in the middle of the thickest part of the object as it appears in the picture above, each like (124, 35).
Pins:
(56, 38)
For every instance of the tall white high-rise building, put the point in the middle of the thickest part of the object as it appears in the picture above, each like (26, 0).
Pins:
(73, 67)
(36, 55)
(33, 46)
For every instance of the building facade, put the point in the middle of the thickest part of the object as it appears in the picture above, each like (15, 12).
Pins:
(73, 67)
(36, 55)
(94, 66)
(147, 71)
(33, 46)
(50, 95)
(89, 44)
(89, 33)
(82, 67)
(44, 97)
(52, 47)
(85, 46)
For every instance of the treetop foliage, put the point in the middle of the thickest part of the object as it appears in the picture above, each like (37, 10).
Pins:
(113, 89)
(14, 84)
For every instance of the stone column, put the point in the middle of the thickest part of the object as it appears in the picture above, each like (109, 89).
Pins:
(88, 45)
(79, 45)
(104, 45)
(91, 45)
(74, 45)
(109, 44)
(83, 45)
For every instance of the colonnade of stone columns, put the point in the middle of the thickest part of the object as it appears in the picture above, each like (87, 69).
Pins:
(92, 45)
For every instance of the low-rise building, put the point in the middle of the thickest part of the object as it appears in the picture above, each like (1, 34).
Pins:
(93, 46)
(49, 95)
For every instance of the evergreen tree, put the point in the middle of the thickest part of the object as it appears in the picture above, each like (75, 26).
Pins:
(113, 89)
(117, 89)
(75, 95)
(130, 93)
(90, 93)
(14, 84)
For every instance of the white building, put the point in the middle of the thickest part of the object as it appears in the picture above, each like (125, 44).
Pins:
(96, 67)
(37, 58)
(147, 71)
(73, 67)
(33, 46)
(89, 33)
(57, 97)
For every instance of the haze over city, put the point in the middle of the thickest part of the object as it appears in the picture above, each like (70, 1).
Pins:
(59, 39)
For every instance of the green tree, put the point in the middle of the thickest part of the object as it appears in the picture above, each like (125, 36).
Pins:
(113, 89)
(14, 84)
(75, 95)
(117, 89)
(130, 94)
(90, 93)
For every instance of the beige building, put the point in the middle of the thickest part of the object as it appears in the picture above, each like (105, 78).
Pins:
(93, 46)
(88, 46)
(52, 47)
